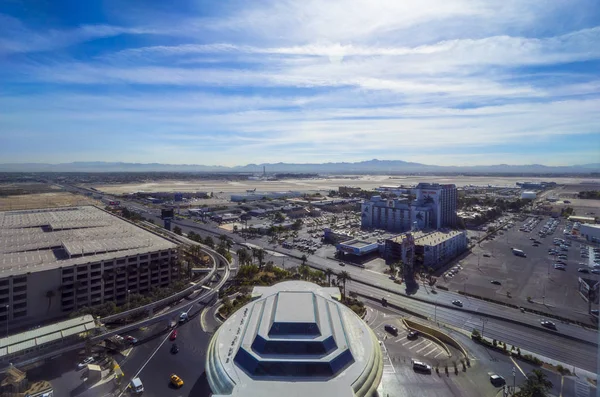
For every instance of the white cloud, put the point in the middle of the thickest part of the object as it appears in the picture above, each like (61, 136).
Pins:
(15, 37)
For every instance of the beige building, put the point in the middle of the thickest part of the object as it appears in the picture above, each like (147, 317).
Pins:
(54, 261)
(431, 248)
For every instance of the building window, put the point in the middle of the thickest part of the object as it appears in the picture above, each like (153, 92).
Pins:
(96, 266)
(19, 280)
(67, 271)
(20, 314)
(19, 289)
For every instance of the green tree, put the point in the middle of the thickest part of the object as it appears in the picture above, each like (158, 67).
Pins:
(209, 242)
(177, 230)
(304, 259)
(243, 256)
(536, 385)
(304, 271)
(260, 255)
(342, 278)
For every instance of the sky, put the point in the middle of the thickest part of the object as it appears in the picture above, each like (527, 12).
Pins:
(445, 82)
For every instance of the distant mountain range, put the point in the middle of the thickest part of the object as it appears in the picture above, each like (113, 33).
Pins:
(362, 167)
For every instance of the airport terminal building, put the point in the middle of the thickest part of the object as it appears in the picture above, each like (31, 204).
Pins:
(294, 339)
(54, 261)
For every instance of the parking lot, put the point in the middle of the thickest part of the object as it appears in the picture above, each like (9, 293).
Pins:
(400, 347)
(399, 377)
(493, 270)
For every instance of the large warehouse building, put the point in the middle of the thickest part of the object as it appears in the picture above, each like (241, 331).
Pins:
(54, 261)
(294, 339)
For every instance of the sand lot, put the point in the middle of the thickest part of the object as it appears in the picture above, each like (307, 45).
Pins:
(320, 184)
(43, 200)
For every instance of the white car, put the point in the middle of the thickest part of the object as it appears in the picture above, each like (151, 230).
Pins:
(85, 362)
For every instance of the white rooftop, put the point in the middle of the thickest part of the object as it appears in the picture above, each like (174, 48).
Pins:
(49, 333)
(294, 339)
(36, 240)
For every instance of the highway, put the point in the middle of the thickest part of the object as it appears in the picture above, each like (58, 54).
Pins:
(537, 340)
(548, 345)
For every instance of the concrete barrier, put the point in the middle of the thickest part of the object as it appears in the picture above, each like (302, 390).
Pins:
(428, 332)
(437, 334)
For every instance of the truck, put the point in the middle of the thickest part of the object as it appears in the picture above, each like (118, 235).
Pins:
(519, 252)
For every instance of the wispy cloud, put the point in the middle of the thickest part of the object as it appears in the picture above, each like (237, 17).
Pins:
(311, 80)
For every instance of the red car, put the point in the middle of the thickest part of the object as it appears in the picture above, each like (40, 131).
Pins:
(173, 335)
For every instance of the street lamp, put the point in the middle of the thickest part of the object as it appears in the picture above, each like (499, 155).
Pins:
(435, 312)
(514, 372)
(128, 291)
(483, 321)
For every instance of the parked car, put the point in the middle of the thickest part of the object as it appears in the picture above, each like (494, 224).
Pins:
(496, 282)
(583, 270)
(412, 335)
(558, 266)
(174, 348)
(456, 302)
(173, 335)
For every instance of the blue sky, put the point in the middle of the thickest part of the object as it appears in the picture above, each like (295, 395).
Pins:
(443, 82)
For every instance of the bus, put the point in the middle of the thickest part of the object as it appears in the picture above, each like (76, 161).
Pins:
(518, 252)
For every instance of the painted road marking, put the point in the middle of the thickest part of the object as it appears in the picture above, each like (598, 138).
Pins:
(424, 347)
(582, 389)
(407, 342)
(431, 351)
(418, 344)
(436, 356)
(390, 365)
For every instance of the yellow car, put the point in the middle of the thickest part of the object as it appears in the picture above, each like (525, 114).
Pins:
(176, 380)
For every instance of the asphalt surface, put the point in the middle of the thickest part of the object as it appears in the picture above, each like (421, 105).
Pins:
(537, 341)
(540, 342)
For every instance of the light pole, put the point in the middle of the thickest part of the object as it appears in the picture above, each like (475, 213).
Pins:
(514, 372)
(128, 291)
(483, 321)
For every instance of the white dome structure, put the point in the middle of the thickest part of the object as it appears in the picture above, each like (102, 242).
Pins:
(294, 339)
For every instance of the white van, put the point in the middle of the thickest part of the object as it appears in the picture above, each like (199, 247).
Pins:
(137, 386)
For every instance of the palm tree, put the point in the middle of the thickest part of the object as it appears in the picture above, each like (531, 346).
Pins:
(536, 385)
(304, 272)
(260, 255)
(343, 277)
(243, 256)
(329, 273)
(50, 294)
